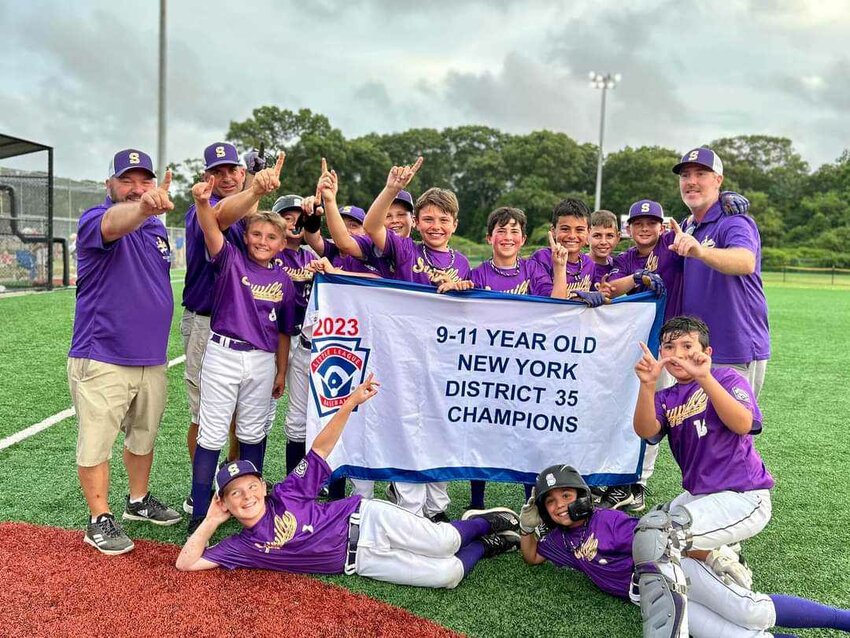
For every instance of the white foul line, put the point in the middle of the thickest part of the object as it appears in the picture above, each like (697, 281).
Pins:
(32, 430)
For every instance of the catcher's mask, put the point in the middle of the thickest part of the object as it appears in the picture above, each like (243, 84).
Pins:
(563, 476)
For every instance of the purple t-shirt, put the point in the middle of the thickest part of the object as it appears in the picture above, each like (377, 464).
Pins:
(579, 274)
(415, 262)
(661, 260)
(198, 286)
(124, 298)
(733, 306)
(601, 270)
(294, 264)
(251, 303)
(601, 549)
(528, 278)
(711, 456)
(297, 533)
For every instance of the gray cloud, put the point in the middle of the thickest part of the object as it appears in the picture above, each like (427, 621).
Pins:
(82, 76)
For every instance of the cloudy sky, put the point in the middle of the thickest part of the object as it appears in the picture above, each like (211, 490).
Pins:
(81, 75)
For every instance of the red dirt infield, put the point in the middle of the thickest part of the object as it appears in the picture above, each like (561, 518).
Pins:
(55, 585)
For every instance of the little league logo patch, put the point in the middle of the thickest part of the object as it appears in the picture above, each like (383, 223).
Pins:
(337, 367)
(742, 395)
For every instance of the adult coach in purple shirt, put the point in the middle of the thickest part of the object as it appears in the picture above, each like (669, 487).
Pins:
(117, 361)
(722, 273)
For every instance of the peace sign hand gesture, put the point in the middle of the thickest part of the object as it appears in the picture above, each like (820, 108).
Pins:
(648, 369)
(559, 253)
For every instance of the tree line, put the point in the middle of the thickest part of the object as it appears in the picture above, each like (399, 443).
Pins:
(802, 213)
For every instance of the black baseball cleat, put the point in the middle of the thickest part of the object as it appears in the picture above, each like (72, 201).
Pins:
(502, 520)
(495, 544)
(617, 497)
(638, 503)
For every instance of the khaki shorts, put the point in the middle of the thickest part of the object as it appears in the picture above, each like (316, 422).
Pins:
(109, 398)
(195, 330)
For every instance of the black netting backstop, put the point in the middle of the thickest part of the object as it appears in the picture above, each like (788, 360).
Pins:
(30, 255)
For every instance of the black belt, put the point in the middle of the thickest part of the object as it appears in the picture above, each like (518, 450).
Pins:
(353, 537)
(305, 342)
(232, 344)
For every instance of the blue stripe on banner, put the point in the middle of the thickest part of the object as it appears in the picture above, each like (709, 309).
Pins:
(497, 475)
(477, 292)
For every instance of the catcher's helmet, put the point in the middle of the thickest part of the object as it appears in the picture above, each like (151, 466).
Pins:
(287, 202)
(290, 202)
(563, 476)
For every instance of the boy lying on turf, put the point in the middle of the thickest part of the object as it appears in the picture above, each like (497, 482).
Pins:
(609, 546)
(289, 530)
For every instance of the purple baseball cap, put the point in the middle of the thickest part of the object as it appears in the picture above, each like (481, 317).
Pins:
(354, 212)
(406, 199)
(232, 471)
(127, 160)
(219, 153)
(702, 156)
(645, 208)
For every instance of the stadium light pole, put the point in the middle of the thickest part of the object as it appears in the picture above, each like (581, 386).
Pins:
(160, 144)
(604, 82)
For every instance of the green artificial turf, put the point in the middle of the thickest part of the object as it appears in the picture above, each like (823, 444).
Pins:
(805, 444)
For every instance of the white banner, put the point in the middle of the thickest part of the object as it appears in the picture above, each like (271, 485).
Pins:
(477, 386)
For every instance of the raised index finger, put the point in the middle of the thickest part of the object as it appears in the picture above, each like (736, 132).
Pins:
(646, 349)
(675, 226)
(552, 243)
(166, 182)
(279, 164)
(416, 165)
(324, 166)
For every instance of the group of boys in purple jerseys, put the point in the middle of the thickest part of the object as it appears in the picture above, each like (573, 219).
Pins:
(245, 298)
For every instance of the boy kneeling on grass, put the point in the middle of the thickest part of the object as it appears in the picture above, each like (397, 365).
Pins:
(289, 530)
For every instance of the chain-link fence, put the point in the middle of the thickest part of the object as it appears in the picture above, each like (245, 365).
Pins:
(24, 253)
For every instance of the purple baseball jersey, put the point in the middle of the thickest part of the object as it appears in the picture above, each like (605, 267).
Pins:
(382, 265)
(601, 270)
(198, 286)
(294, 264)
(347, 262)
(297, 533)
(601, 549)
(252, 303)
(711, 456)
(661, 260)
(528, 278)
(579, 274)
(124, 298)
(733, 306)
(415, 262)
